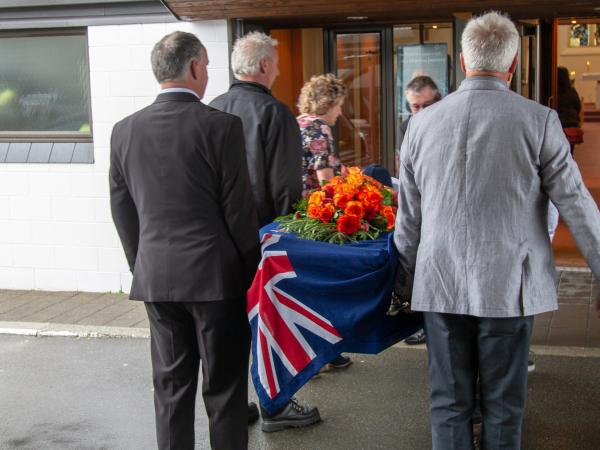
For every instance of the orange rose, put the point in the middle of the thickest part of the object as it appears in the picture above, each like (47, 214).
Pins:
(355, 176)
(329, 190)
(341, 200)
(348, 224)
(355, 209)
(373, 199)
(387, 210)
(346, 188)
(313, 211)
(316, 198)
(388, 213)
(372, 182)
(370, 213)
(326, 213)
(335, 181)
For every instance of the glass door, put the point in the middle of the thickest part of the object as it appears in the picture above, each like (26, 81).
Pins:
(358, 58)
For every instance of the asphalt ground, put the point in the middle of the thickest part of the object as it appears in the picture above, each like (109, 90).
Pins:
(89, 393)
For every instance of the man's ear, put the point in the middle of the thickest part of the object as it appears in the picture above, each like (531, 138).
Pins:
(263, 65)
(193, 69)
(513, 65)
(463, 67)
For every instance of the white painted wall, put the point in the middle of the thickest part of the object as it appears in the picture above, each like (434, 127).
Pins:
(56, 231)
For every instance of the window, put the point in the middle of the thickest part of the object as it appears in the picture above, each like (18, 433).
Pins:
(44, 86)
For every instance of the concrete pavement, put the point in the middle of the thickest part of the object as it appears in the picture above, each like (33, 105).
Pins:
(92, 394)
(96, 393)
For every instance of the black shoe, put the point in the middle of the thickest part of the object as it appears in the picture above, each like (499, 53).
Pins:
(339, 362)
(418, 338)
(252, 413)
(294, 415)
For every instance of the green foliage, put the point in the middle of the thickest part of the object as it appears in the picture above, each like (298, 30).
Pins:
(315, 230)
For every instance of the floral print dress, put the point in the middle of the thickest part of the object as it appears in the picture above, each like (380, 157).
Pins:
(318, 150)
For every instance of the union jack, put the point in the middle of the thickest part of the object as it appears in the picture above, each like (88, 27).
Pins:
(279, 316)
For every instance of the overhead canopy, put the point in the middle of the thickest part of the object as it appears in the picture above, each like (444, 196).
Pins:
(335, 11)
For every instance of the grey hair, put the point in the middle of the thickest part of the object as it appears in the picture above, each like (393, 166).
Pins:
(417, 84)
(490, 42)
(173, 53)
(249, 50)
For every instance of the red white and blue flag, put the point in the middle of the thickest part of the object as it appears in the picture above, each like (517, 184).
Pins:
(311, 301)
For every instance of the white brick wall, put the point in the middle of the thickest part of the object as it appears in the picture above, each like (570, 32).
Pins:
(56, 232)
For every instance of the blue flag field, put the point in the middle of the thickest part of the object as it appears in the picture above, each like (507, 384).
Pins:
(311, 301)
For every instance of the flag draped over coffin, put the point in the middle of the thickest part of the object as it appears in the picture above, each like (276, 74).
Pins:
(311, 301)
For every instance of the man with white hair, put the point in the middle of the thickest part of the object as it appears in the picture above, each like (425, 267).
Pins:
(274, 155)
(273, 144)
(477, 170)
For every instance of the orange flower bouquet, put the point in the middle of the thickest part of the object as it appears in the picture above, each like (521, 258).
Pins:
(347, 208)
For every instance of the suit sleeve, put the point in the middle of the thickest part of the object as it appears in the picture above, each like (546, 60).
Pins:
(237, 199)
(124, 212)
(562, 182)
(407, 233)
(283, 153)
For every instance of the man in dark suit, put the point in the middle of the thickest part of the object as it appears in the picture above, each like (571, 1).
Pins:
(182, 205)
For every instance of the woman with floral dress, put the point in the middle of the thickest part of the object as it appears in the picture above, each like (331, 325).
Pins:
(320, 104)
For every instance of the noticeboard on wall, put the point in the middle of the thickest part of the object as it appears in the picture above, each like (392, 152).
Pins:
(420, 59)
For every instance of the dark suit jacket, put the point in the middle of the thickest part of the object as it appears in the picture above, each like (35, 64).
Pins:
(273, 147)
(181, 201)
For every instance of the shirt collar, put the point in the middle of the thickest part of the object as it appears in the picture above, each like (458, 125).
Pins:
(483, 83)
(177, 89)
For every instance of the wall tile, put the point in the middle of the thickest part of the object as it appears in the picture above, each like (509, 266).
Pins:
(55, 280)
(33, 256)
(79, 258)
(13, 278)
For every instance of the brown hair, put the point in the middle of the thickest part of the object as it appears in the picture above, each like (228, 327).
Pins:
(320, 94)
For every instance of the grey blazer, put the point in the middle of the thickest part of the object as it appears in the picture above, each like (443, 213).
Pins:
(477, 170)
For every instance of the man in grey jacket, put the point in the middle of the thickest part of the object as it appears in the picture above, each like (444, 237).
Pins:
(477, 170)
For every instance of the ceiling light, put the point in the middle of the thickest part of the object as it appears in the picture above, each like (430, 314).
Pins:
(357, 18)
(573, 22)
(434, 27)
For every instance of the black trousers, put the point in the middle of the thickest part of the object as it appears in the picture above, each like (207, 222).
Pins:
(183, 334)
(461, 347)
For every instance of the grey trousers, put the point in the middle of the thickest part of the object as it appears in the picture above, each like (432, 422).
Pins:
(461, 347)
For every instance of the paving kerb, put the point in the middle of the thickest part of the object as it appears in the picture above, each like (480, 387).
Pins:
(116, 319)
(71, 330)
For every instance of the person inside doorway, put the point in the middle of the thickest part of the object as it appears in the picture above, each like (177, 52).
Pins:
(568, 106)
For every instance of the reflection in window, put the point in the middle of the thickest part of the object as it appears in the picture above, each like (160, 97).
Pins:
(44, 84)
(358, 63)
(420, 49)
